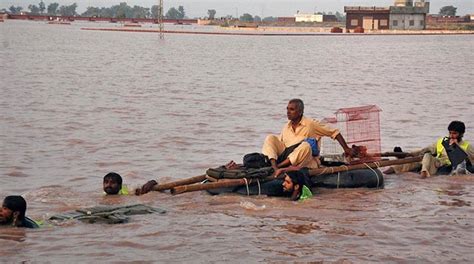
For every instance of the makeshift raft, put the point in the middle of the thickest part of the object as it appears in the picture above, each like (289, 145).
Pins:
(107, 214)
(345, 176)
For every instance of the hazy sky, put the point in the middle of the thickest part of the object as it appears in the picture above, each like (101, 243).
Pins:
(198, 8)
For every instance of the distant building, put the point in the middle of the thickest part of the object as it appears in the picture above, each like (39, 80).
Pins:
(329, 18)
(367, 17)
(448, 19)
(290, 20)
(300, 17)
(404, 14)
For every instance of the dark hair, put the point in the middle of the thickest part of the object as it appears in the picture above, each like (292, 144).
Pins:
(114, 177)
(16, 203)
(300, 178)
(299, 104)
(457, 126)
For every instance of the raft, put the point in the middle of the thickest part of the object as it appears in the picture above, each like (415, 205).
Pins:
(362, 178)
(106, 214)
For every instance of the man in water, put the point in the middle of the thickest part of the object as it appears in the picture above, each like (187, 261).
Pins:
(13, 213)
(298, 185)
(290, 149)
(112, 185)
(435, 158)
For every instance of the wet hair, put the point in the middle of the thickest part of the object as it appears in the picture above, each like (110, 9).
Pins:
(114, 177)
(300, 178)
(299, 104)
(16, 203)
(457, 126)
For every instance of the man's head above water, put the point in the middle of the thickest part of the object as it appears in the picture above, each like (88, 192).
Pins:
(112, 183)
(13, 210)
(293, 183)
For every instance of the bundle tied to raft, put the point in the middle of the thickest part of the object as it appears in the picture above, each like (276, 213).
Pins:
(249, 173)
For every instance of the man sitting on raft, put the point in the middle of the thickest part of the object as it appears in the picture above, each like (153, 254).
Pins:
(13, 213)
(435, 158)
(112, 185)
(290, 149)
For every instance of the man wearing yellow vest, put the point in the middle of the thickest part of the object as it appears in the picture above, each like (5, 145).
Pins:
(112, 185)
(435, 158)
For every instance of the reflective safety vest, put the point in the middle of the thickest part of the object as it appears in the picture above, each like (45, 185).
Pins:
(123, 190)
(305, 193)
(440, 149)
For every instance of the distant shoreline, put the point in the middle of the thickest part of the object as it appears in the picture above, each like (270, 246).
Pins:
(280, 31)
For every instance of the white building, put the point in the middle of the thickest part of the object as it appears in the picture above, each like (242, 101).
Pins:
(404, 15)
(308, 17)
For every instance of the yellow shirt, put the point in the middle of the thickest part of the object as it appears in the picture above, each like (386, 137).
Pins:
(305, 129)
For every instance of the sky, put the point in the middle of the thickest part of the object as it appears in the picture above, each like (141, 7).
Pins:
(263, 8)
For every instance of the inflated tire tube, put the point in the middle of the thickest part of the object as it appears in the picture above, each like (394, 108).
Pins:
(365, 178)
(368, 178)
(271, 188)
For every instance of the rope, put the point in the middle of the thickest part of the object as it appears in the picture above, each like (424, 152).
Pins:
(258, 183)
(376, 174)
(338, 178)
(247, 186)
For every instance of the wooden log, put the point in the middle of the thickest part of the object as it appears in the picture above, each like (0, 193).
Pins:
(210, 185)
(382, 163)
(178, 189)
(169, 185)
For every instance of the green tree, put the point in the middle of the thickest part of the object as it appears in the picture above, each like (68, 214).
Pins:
(91, 12)
(172, 13)
(257, 19)
(448, 11)
(124, 11)
(69, 10)
(34, 9)
(140, 12)
(107, 12)
(42, 6)
(211, 13)
(269, 19)
(182, 14)
(246, 17)
(155, 11)
(15, 9)
(53, 9)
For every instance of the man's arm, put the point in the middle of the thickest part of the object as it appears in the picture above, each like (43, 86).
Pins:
(147, 187)
(347, 151)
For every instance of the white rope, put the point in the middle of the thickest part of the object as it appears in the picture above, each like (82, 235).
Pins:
(338, 178)
(258, 183)
(376, 174)
(247, 186)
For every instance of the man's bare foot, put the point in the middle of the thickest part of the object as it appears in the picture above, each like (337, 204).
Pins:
(231, 165)
(424, 174)
(390, 170)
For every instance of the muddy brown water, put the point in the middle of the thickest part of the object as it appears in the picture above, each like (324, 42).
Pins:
(78, 104)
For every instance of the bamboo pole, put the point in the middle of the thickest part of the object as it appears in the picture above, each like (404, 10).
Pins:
(169, 185)
(313, 172)
(382, 163)
(208, 186)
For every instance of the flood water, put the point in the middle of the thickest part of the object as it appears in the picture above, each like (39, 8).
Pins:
(78, 104)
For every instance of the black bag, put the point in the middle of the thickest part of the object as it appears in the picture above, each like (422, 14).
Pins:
(256, 161)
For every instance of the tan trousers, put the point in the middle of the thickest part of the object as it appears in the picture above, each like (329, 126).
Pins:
(429, 164)
(301, 156)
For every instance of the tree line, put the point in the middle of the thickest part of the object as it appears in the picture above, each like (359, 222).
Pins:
(122, 10)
